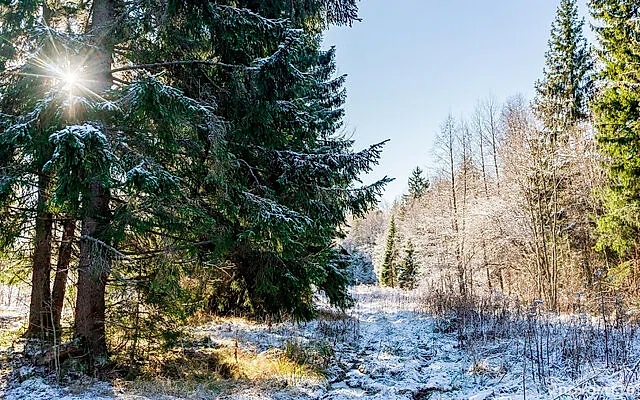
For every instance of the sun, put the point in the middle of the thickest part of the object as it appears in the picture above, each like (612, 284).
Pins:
(70, 78)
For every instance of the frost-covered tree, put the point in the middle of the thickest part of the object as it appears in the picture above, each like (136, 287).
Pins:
(561, 106)
(361, 271)
(294, 171)
(408, 268)
(100, 153)
(24, 186)
(564, 92)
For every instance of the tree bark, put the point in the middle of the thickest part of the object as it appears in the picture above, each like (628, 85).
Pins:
(494, 146)
(93, 269)
(92, 277)
(449, 132)
(62, 270)
(40, 305)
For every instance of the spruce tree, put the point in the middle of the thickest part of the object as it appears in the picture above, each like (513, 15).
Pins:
(208, 142)
(389, 270)
(563, 94)
(617, 115)
(24, 185)
(294, 173)
(418, 184)
(561, 104)
(408, 270)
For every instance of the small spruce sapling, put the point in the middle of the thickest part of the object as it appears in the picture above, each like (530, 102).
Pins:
(408, 271)
(388, 272)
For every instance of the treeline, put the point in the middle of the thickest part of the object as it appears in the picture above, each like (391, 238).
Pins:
(540, 199)
(171, 156)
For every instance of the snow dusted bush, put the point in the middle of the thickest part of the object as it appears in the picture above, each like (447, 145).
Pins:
(546, 346)
(361, 271)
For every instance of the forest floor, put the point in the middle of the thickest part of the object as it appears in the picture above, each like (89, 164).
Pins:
(384, 348)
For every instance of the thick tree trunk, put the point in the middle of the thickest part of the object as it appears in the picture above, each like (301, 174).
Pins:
(40, 307)
(93, 270)
(92, 277)
(62, 270)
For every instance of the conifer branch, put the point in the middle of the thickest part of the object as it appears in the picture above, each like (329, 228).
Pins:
(181, 62)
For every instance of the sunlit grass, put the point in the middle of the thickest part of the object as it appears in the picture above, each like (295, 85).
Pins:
(192, 372)
(11, 333)
(200, 367)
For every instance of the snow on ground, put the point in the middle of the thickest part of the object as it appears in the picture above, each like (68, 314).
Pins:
(386, 350)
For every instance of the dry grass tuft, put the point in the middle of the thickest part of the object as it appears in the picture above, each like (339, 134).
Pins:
(194, 372)
(12, 327)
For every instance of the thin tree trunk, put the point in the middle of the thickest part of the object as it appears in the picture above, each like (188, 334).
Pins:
(536, 241)
(465, 176)
(545, 253)
(454, 202)
(554, 244)
(62, 270)
(40, 305)
(482, 164)
(485, 264)
(481, 136)
(494, 145)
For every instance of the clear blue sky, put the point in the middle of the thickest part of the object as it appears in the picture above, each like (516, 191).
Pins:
(411, 62)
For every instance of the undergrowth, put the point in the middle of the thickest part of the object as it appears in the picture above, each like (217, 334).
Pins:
(599, 335)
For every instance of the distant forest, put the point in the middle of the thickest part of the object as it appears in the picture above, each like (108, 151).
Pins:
(538, 199)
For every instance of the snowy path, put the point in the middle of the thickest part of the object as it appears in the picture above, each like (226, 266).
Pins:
(380, 354)
(395, 352)
(397, 357)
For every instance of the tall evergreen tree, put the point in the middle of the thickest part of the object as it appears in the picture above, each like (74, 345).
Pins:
(617, 111)
(563, 94)
(24, 185)
(389, 270)
(418, 184)
(208, 138)
(561, 104)
(293, 172)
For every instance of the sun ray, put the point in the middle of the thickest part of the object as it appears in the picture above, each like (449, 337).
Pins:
(64, 70)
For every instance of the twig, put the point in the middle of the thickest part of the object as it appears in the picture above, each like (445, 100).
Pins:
(577, 385)
(633, 370)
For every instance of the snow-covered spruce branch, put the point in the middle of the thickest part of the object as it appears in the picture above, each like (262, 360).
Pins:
(104, 246)
(182, 62)
(271, 210)
(135, 94)
(18, 130)
(253, 174)
(291, 40)
(352, 162)
(153, 170)
(249, 17)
